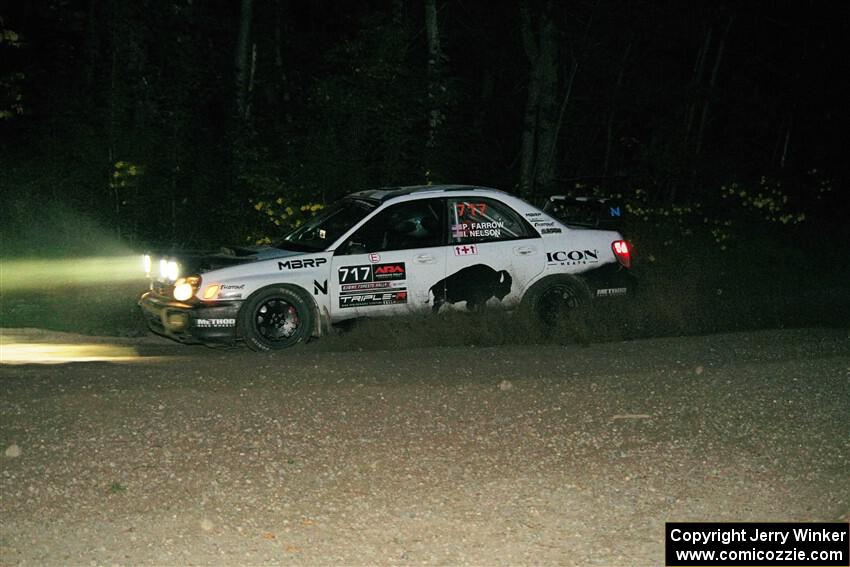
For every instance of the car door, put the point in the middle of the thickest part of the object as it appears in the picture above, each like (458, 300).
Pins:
(493, 254)
(389, 265)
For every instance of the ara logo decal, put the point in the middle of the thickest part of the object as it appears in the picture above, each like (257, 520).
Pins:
(297, 264)
(320, 287)
(389, 272)
(573, 257)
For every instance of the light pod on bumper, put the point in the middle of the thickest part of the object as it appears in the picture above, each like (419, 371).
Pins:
(185, 288)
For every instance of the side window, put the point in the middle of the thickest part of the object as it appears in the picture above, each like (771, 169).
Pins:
(484, 220)
(414, 224)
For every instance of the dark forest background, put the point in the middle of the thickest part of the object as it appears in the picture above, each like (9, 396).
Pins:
(187, 123)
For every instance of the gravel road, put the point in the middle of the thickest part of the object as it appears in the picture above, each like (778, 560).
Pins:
(569, 455)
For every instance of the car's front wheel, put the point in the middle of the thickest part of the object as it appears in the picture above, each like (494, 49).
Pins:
(275, 318)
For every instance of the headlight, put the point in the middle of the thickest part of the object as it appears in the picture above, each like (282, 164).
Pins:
(185, 288)
(147, 264)
(169, 270)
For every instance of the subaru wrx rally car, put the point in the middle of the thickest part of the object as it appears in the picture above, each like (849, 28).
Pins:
(388, 252)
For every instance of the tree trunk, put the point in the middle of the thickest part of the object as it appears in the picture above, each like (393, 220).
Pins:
(609, 129)
(436, 96)
(242, 62)
(540, 121)
(711, 85)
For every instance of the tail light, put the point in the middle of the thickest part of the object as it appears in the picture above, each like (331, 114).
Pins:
(622, 252)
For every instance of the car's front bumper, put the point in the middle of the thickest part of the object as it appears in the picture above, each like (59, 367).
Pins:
(190, 322)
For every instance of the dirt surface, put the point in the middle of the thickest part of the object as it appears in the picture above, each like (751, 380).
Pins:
(516, 455)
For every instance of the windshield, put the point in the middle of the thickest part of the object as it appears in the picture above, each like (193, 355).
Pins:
(324, 229)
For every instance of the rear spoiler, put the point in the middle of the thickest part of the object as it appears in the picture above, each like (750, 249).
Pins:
(585, 211)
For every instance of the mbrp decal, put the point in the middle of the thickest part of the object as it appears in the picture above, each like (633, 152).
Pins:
(299, 263)
(372, 273)
(475, 285)
(573, 257)
(393, 297)
(207, 323)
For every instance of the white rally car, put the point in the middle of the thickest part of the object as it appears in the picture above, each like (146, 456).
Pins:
(388, 252)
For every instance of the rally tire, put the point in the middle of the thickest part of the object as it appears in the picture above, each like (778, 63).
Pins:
(556, 301)
(275, 318)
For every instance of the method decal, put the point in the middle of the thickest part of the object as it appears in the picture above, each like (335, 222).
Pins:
(475, 285)
(573, 257)
(611, 291)
(372, 273)
(206, 323)
(465, 250)
(392, 297)
(298, 263)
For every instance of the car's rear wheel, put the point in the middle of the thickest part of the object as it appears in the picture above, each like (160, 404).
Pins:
(556, 302)
(275, 318)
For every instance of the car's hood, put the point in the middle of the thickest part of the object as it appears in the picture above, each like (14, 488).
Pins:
(199, 262)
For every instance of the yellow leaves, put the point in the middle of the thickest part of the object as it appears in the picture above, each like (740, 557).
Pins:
(259, 205)
(10, 38)
(124, 174)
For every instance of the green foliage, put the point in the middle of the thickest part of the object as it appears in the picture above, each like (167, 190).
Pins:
(722, 220)
(11, 81)
(280, 216)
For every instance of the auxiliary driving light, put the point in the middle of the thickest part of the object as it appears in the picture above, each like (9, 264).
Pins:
(147, 264)
(169, 270)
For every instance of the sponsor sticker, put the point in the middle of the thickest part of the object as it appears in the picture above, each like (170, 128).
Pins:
(573, 257)
(372, 272)
(299, 263)
(208, 323)
(358, 299)
(611, 291)
(465, 250)
(551, 231)
(320, 288)
(374, 257)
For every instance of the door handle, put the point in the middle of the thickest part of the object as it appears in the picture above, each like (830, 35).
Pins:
(425, 259)
(524, 250)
